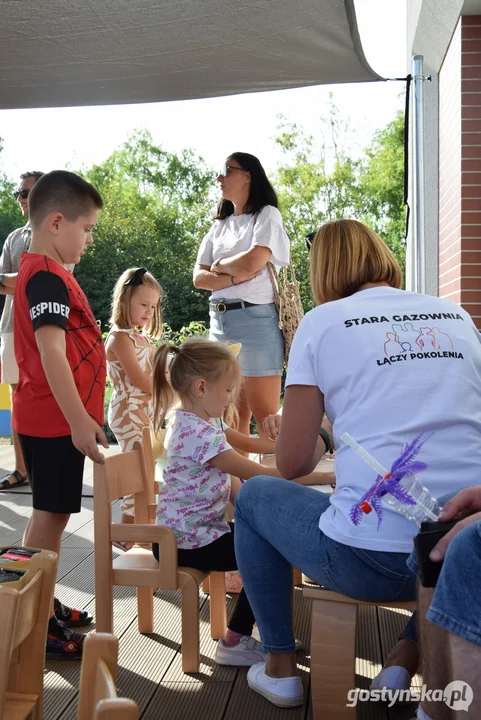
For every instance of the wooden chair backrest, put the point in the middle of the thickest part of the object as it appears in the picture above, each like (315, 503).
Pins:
(23, 628)
(98, 693)
(122, 474)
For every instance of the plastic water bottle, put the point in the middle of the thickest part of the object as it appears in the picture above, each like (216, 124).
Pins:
(426, 507)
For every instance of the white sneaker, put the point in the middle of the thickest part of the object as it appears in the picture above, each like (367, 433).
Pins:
(247, 652)
(394, 677)
(283, 692)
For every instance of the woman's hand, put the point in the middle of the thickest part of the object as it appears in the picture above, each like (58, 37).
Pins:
(272, 425)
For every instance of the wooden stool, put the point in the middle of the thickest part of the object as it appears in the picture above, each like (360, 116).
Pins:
(333, 637)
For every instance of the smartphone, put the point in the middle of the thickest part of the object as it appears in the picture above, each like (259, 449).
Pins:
(8, 576)
(431, 533)
(17, 553)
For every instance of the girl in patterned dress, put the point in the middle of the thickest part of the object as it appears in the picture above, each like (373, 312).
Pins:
(136, 314)
(205, 377)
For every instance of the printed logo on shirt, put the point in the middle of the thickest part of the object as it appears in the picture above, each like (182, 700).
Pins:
(52, 308)
(406, 341)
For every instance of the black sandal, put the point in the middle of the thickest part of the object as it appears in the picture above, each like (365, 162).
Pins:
(21, 480)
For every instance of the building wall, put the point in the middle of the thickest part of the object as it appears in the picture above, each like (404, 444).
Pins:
(430, 26)
(460, 168)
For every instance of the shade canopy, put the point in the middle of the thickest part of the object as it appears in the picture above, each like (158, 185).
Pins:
(56, 53)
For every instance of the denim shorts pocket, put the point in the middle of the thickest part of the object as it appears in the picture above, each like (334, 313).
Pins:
(261, 311)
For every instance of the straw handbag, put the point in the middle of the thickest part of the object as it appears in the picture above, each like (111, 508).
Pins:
(288, 301)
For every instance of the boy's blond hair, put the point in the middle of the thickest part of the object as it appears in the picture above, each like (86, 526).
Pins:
(120, 315)
(344, 256)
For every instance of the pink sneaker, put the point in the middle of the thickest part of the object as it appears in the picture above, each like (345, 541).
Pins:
(246, 653)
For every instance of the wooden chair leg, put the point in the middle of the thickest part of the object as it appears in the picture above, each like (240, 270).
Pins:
(333, 635)
(104, 606)
(145, 609)
(190, 626)
(218, 609)
(206, 585)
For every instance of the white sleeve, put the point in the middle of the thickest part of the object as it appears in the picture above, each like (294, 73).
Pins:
(205, 256)
(5, 258)
(269, 232)
(301, 365)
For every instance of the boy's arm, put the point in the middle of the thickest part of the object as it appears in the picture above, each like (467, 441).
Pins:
(85, 431)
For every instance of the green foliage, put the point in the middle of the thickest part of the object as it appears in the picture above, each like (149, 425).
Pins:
(157, 208)
(319, 181)
(10, 214)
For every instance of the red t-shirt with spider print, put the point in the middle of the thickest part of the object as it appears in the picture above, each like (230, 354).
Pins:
(48, 294)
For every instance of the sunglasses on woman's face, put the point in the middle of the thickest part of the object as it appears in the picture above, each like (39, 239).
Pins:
(225, 170)
(310, 240)
(21, 193)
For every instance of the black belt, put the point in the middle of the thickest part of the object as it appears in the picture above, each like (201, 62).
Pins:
(222, 307)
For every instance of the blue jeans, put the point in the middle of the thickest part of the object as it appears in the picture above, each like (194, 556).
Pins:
(277, 526)
(455, 603)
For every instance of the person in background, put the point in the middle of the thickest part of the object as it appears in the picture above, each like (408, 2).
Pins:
(16, 243)
(232, 263)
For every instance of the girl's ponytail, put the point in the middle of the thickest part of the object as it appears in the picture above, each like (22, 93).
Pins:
(163, 395)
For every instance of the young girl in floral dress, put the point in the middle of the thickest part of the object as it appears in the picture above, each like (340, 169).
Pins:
(136, 317)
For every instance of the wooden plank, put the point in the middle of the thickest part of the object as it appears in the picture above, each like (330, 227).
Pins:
(189, 701)
(368, 660)
(391, 625)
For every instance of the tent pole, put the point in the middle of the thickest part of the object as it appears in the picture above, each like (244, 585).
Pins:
(419, 250)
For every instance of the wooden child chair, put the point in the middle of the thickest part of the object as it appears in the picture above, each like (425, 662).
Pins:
(333, 659)
(24, 617)
(98, 694)
(132, 473)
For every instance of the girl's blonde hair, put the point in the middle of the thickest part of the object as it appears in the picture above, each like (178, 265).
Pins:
(344, 256)
(122, 294)
(195, 358)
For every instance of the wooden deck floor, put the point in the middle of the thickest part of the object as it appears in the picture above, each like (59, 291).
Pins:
(149, 665)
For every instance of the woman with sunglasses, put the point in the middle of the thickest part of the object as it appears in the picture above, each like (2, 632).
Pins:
(232, 263)
(391, 368)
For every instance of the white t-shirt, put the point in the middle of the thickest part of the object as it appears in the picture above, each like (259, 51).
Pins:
(238, 233)
(391, 364)
(195, 494)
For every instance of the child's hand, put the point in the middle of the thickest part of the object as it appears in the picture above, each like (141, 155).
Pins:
(85, 436)
(272, 426)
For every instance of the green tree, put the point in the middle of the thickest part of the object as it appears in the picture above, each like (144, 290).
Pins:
(10, 213)
(157, 207)
(382, 183)
(318, 181)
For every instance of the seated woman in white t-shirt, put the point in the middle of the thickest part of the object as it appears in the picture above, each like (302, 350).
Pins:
(385, 365)
(232, 263)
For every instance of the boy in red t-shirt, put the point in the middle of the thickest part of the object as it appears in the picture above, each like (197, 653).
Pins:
(59, 400)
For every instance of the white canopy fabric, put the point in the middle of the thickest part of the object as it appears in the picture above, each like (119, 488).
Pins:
(57, 53)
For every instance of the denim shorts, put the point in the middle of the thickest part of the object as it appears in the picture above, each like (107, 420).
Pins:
(256, 327)
(455, 603)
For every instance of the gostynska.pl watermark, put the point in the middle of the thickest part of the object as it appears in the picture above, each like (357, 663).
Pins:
(457, 695)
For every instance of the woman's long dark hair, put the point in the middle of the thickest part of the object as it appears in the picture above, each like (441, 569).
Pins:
(261, 191)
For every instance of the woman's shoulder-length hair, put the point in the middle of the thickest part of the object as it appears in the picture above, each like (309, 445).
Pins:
(261, 191)
(345, 255)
